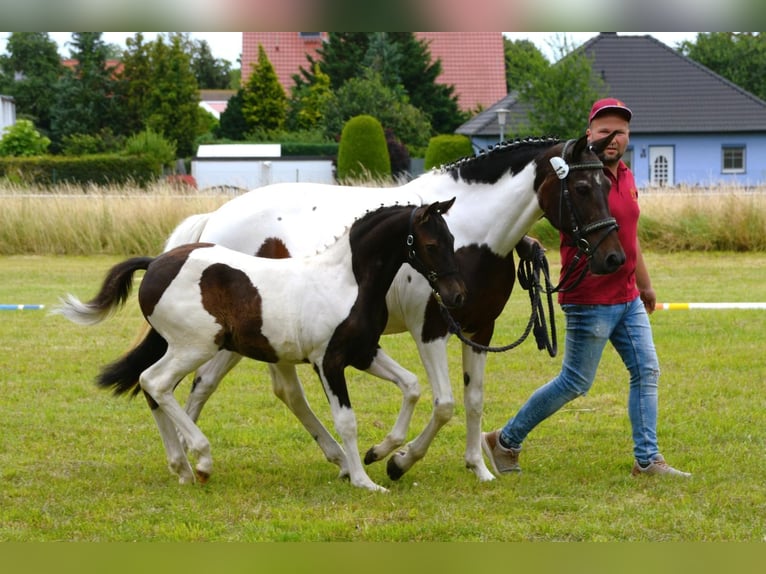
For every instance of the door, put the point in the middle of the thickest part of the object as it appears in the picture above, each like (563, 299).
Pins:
(661, 168)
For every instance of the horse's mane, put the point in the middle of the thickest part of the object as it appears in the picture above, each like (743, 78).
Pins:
(362, 220)
(490, 165)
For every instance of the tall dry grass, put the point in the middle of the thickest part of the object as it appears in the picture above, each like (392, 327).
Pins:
(113, 221)
(125, 221)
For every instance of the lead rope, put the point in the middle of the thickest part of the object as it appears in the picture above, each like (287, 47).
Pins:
(529, 278)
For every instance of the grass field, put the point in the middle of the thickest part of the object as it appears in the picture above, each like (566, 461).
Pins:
(79, 465)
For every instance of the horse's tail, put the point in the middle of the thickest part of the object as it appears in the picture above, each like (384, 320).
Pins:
(123, 374)
(114, 292)
(188, 231)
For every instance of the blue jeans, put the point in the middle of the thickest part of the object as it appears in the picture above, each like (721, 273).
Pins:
(588, 328)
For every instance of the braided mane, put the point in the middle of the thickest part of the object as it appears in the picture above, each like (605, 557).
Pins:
(489, 166)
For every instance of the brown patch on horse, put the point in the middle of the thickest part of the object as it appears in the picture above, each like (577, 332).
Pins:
(164, 270)
(273, 248)
(489, 281)
(230, 297)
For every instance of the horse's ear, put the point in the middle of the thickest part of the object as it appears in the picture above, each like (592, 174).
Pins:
(579, 147)
(599, 146)
(441, 206)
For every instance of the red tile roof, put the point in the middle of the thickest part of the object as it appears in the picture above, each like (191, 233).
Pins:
(473, 62)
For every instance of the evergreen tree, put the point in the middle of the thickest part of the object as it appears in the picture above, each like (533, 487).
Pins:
(264, 103)
(211, 73)
(84, 102)
(30, 73)
(419, 73)
(307, 102)
(232, 124)
(136, 80)
(173, 98)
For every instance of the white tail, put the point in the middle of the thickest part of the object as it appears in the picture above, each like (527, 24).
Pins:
(188, 231)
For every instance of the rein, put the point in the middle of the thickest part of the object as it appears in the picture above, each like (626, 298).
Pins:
(529, 278)
(562, 169)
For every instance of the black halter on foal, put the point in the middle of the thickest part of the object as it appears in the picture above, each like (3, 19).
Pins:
(562, 169)
(417, 263)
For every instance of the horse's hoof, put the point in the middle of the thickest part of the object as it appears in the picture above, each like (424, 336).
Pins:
(202, 476)
(370, 456)
(394, 471)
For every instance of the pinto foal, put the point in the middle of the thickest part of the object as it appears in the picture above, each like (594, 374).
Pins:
(327, 310)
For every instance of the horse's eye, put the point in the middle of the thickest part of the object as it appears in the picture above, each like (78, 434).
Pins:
(582, 188)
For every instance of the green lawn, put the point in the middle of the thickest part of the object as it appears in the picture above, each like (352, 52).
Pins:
(78, 464)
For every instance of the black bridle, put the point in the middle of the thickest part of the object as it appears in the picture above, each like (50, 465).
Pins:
(417, 263)
(579, 233)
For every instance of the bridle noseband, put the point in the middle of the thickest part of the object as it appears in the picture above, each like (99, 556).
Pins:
(417, 263)
(579, 233)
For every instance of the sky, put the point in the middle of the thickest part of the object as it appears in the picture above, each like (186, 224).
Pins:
(228, 45)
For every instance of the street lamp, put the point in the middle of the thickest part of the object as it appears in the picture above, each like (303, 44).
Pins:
(502, 117)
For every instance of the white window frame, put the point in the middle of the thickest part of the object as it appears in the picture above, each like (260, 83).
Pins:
(729, 149)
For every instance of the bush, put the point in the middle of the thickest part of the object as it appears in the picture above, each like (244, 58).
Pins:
(445, 149)
(23, 140)
(104, 169)
(363, 153)
(151, 144)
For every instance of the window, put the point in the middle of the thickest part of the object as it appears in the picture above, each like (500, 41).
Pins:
(310, 35)
(733, 159)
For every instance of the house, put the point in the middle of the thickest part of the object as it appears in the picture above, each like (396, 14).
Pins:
(473, 62)
(690, 126)
(7, 112)
(215, 101)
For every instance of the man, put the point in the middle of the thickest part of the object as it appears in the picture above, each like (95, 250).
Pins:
(601, 308)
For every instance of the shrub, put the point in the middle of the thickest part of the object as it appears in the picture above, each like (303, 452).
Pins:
(23, 140)
(444, 149)
(151, 144)
(363, 153)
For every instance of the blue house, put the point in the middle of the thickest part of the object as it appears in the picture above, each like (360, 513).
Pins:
(690, 126)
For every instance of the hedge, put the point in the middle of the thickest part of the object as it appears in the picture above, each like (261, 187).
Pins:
(102, 169)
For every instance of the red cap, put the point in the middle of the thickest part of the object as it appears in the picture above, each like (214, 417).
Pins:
(610, 104)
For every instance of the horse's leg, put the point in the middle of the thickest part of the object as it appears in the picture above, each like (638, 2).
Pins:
(159, 381)
(287, 386)
(474, 364)
(345, 424)
(206, 381)
(175, 451)
(434, 357)
(386, 368)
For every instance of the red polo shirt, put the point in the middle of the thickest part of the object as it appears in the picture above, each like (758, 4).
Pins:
(620, 286)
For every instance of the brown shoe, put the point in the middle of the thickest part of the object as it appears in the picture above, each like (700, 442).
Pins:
(503, 460)
(659, 467)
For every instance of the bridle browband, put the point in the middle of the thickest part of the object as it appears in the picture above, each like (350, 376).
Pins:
(579, 233)
(417, 263)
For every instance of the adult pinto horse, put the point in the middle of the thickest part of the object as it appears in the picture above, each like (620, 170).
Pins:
(327, 310)
(500, 195)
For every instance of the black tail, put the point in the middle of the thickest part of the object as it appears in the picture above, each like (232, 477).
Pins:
(122, 375)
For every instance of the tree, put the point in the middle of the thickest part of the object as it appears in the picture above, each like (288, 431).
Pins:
(368, 96)
(740, 57)
(211, 73)
(173, 99)
(232, 124)
(419, 75)
(363, 152)
(403, 63)
(30, 73)
(560, 96)
(135, 83)
(84, 102)
(307, 102)
(264, 103)
(523, 62)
